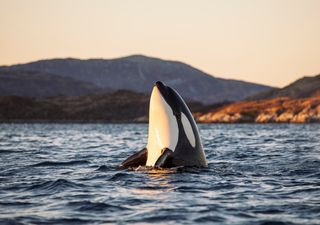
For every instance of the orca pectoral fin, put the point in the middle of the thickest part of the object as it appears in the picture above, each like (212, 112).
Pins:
(137, 159)
(165, 158)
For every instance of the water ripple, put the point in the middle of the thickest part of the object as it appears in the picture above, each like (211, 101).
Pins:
(67, 174)
(95, 206)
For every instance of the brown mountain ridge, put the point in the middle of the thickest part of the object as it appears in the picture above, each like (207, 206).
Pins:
(298, 102)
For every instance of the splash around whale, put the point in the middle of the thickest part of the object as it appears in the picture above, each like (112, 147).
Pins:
(173, 136)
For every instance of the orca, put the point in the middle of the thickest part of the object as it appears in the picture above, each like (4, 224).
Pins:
(173, 136)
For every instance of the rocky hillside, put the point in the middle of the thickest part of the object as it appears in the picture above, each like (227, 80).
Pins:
(138, 73)
(298, 102)
(277, 110)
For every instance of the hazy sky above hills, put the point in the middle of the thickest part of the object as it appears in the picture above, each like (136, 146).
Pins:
(271, 42)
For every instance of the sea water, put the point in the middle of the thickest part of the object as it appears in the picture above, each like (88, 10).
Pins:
(67, 174)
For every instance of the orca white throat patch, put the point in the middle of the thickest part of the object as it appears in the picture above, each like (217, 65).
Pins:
(163, 127)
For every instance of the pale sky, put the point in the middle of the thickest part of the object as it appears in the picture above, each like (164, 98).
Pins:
(271, 42)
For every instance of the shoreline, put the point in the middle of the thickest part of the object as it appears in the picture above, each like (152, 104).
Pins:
(131, 122)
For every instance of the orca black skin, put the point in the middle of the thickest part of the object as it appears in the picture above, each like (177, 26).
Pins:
(178, 130)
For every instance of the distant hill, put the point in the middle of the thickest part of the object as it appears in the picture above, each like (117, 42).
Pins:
(138, 73)
(129, 106)
(302, 88)
(39, 84)
(120, 106)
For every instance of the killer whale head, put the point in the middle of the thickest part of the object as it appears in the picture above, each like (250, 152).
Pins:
(172, 127)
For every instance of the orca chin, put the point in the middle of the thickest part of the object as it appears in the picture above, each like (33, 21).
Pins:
(173, 136)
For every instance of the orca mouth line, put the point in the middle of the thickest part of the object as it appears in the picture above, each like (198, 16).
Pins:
(170, 97)
(160, 85)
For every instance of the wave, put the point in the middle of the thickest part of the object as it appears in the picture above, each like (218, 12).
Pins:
(119, 176)
(104, 168)
(96, 206)
(55, 186)
(55, 163)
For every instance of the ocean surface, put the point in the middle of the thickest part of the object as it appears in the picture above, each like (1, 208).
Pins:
(67, 174)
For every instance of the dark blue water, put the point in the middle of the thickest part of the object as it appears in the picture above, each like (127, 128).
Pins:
(66, 174)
